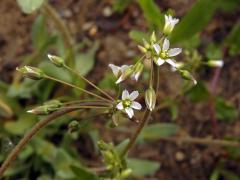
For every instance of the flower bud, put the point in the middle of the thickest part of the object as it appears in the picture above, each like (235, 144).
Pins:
(186, 75)
(153, 37)
(215, 63)
(57, 61)
(102, 145)
(150, 98)
(170, 23)
(137, 70)
(47, 108)
(31, 72)
(73, 126)
(142, 49)
(146, 44)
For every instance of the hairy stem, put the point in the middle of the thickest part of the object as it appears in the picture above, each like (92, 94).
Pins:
(60, 25)
(28, 136)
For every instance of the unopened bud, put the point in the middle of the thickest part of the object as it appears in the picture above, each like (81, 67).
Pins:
(57, 61)
(126, 173)
(142, 49)
(47, 108)
(153, 38)
(186, 75)
(150, 98)
(215, 63)
(137, 70)
(31, 72)
(73, 126)
(102, 145)
(146, 44)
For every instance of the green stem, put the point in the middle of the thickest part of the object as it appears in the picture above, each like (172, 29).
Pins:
(89, 82)
(81, 89)
(60, 25)
(143, 122)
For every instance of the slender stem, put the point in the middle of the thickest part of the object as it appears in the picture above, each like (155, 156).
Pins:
(204, 141)
(144, 121)
(60, 25)
(28, 136)
(86, 107)
(89, 82)
(81, 89)
(146, 116)
(192, 140)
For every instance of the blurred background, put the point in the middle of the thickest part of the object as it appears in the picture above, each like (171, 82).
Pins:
(94, 33)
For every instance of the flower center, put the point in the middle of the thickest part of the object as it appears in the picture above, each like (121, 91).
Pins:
(164, 54)
(127, 103)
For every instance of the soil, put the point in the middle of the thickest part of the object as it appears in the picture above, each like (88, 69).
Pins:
(87, 18)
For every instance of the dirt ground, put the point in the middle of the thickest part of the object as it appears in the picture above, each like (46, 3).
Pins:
(86, 18)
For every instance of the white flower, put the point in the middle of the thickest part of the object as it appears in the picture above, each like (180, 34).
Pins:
(170, 22)
(165, 54)
(121, 72)
(215, 63)
(128, 104)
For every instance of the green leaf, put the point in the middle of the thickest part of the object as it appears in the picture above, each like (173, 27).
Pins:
(233, 40)
(83, 174)
(28, 6)
(143, 167)
(23, 124)
(198, 93)
(195, 20)
(108, 82)
(158, 130)
(225, 111)
(229, 6)
(39, 33)
(55, 72)
(121, 146)
(84, 62)
(138, 36)
(152, 13)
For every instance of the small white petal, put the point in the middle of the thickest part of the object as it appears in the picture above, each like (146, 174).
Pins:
(133, 95)
(174, 52)
(136, 76)
(120, 106)
(160, 61)
(30, 111)
(125, 95)
(157, 48)
(120, 79)
(166, 44)
(136, 105)
(130, 112)
(115, 69)
(171, 62)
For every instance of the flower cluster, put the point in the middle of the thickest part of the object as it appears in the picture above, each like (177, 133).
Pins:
(154, 51)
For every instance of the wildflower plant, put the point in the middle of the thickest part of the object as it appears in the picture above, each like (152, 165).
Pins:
(156, 52)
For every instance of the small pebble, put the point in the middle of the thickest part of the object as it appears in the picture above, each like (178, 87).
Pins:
(179, 156)
(107, 11)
